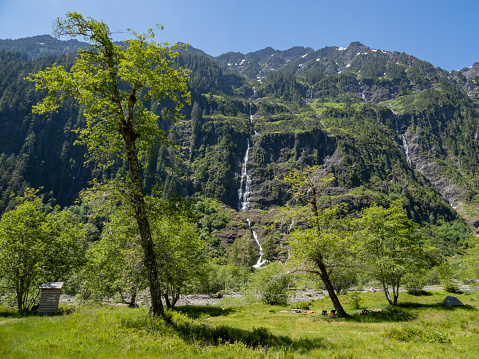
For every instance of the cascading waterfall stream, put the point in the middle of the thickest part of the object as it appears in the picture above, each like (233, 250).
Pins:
(289, 248)
(361, 93)
(396, 121)
(404, 142)
(244, 191)
(260, 261)
(406, 150)
(244, 194)
(75, 179)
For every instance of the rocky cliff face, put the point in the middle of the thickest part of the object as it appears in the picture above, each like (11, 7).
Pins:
(275, 154)
(427, 165)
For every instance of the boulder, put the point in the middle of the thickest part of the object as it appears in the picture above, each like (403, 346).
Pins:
(450, 300)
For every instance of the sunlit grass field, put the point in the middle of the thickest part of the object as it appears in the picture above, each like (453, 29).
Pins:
(419, 328)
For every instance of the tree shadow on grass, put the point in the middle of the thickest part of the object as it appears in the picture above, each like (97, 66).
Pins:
(201, 311)
(256, 337)
(199, 331)
(400, 313)
(379, 317)
(6, 312)
(421, 293)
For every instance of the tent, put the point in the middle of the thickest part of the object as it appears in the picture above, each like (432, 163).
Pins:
(450, 300)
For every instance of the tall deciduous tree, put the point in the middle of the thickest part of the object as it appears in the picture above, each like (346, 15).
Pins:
(324, 245)
(114, 86)
(23, 241)
(392, 246)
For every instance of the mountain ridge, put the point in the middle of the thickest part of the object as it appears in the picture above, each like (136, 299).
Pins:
(386, 124)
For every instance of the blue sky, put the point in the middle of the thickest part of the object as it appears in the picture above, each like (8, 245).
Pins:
(444, 33)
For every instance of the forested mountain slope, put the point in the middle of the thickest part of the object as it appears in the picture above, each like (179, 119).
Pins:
(388, 125)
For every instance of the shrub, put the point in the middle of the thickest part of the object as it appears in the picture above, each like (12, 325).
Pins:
(450, 287)
(274, 293)
(414, 283)
(306, 305)
(355, 300)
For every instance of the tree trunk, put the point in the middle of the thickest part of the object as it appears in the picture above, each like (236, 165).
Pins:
(329, 287)
(139, 206)
(166, 295)
(132, 303)
(386, 292)
(384, 283)
(20, 300)
(396, 292)
(319, 261)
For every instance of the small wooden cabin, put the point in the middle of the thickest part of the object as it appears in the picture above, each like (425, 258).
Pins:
(50, 296)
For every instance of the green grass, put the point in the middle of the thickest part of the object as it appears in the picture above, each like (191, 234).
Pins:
(419, 328)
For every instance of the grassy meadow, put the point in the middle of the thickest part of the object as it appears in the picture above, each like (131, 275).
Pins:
(418, 328)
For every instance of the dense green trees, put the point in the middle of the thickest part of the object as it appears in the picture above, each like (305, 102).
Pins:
(115, 263)
(472, 257)
(179, 247)
(335, 245)
(243, 252)
(37, 247)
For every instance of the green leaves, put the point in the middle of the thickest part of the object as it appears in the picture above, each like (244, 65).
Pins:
(392, 246)
(114, 87)
(36, 248)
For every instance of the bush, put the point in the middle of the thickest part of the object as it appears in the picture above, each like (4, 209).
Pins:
(306, 305)
(274, 293)
(450, 287)
(355, 300)
(414, 283)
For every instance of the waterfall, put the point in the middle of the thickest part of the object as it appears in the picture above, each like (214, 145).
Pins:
(291, 226)
(289, 248)
(396, 120)
(361, 93)
(244, 191)
(447, 200)
(288, 255)
(260, 261)
(244, 194)
(404, 142)
(250, 115)
(406, 150)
